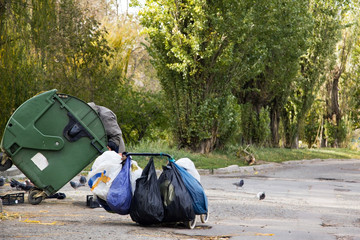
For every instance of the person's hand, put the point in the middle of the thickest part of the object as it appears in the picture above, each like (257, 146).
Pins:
(123, 157)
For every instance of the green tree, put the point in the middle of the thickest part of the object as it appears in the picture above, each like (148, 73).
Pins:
(17, 66)
(314, 64)
(191, 45)
(275, 40)
(337, 101)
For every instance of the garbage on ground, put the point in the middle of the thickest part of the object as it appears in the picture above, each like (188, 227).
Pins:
(104, 171)
(146, 206)
(12, 198)
(135, 173)
(189, 166)
(57, 195)
(42, 223)
(123, 187)
(120, 194)
(5, 215)
(176, 199)
(91, 202)
(196, 191)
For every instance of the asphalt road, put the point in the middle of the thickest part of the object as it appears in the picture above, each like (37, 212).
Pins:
(314, 199)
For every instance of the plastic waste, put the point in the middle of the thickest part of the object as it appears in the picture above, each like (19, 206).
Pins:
(146, 206)
(103, 172)
(177, 202)
(196, 191)
(120, 194)
(189, 166)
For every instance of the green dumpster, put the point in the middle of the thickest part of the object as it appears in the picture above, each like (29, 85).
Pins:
(51, 138)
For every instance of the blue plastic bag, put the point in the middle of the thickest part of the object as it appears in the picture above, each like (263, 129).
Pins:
(120, 195)
(196, 191)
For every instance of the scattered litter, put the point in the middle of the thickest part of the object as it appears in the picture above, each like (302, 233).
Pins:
(264, 234)
(57, 195)
(9, 215)
(12, 199)
(91, 202)
(39, 222)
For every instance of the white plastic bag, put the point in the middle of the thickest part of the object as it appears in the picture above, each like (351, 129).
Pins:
(103, 172)
(135, 173)
(189, 166)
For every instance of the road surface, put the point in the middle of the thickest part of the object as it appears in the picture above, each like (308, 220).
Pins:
(310, 199)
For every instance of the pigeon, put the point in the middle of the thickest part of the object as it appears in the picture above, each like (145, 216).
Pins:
(82, 180)
(261, 195)
(21, 186)
(239, 184)
(75, 185)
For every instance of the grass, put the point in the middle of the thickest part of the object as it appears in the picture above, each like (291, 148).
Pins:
(220, 159)
(281, 154)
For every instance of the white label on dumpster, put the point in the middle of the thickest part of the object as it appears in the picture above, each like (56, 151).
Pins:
(40, 161)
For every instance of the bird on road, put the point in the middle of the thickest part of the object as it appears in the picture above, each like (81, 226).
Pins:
(261, 195)
(239, 184)
(82, 180)
(75, 185)
(21, 186)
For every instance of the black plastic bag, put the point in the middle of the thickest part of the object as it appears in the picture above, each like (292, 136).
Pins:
(176, 198)
(146, 205)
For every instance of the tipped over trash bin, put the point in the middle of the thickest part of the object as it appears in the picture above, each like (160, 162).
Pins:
(50, 138)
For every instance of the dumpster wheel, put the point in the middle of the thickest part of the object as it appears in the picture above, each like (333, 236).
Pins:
(34, 197)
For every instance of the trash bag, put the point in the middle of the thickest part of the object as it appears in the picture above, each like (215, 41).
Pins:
(135, 173)
(146, 205)
(189, 166)
(103, 172)
(196, 191)
(176, 198)
(104, 204)
(120, 194)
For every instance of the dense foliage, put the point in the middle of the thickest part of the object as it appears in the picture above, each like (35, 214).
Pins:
(203, 74)
(57, 44)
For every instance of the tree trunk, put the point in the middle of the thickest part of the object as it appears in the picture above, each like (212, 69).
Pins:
(208, 145)
(336, 107)
(333, 108)
(287, 129)
(295, 142)
(274, 127)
